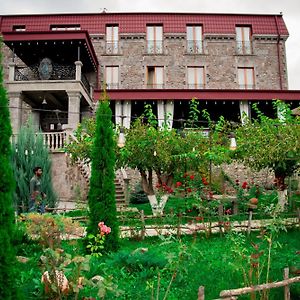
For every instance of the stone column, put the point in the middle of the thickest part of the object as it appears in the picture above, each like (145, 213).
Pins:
(73, 109)
(11, 74)
(78, 65)
(15, 107)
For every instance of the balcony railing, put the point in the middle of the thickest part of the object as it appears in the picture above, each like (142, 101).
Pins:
(112, 47)
(155, 86)
(247, 86)
(243, 48)
(55, 141)
(85, 82)
(112, 86)
(154, 46)
(194, 47)
(196, 86)
(59, 72)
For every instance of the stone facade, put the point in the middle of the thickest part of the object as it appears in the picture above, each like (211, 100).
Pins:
(219, 60)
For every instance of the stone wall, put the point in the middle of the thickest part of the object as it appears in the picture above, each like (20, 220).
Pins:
(68, 181)
(219, 60)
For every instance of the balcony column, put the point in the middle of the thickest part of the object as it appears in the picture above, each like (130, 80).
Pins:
(15, 107)
(73, 109)
(78, 65)
(11, 73)
(244, 110)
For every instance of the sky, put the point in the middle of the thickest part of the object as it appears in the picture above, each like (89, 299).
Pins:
(289, 8)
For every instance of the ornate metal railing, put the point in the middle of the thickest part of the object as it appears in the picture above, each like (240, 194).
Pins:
(85, 82)
(243, 48)
(112, 47)
(59, 72)
(194, 47)
(154, 46)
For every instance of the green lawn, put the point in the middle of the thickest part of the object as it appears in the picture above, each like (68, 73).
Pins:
(190, 261)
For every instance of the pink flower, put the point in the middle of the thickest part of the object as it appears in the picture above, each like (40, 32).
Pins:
(104, 229)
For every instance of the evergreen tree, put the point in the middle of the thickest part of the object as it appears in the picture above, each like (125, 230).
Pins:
(102, 202)
(29, 151)
(7, 227)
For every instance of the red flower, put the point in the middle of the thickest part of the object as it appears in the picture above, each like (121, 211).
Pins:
(204, 181)
(189, 190)
(192, 177)
(244, 185)
(178, 184)
(158, 185)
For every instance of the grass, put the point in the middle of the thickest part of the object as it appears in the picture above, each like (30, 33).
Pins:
(136, 273)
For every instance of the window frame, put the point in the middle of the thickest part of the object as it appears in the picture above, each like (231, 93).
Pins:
(194, 45)
(197, 82)
(157, 47)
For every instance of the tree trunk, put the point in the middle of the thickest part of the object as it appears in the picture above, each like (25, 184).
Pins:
(281, 189)
(158, 206)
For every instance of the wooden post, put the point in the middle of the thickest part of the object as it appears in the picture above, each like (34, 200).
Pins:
(201, 293)
(287, 295)
(249, 222)
(143, 231)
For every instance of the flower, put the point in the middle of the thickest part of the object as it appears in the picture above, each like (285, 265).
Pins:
(204, 181)
(104, 230)
(192, 177)
(178, 184)
(189, 190)
(244, 185)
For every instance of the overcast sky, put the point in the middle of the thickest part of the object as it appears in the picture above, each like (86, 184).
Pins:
(289, 8)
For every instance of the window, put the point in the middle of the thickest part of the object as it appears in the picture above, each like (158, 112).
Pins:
(195, 78)
(246, 78)
(194, 39)
(243, 40)
(154, 39)
(155, 77)
(65, 27)
(112, 77)
(112, 39)
(19, 28)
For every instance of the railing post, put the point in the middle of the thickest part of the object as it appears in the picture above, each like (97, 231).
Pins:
(11, 74)
(78, 65)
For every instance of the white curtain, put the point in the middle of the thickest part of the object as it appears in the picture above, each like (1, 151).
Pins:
(244, 110)
(165, 112)
(127, 113)
(123, 109)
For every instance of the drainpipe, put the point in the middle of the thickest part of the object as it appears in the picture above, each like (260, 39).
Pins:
(278, 53)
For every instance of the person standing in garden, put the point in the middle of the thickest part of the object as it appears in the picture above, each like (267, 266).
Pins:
(37, 197)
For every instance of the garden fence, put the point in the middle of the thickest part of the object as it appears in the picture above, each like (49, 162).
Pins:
(234, 293)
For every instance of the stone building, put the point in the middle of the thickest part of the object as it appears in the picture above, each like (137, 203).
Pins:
(57, 65)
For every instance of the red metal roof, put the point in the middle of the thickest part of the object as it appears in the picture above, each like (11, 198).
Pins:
(137, 22)
(174, 94)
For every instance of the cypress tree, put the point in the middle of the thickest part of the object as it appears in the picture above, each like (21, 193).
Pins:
(7, 225)
(29, 151)
(101, 198)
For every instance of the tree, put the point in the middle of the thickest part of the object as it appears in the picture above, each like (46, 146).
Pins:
(101, 198)
(29, 151)
(271, 143)
(7, 227)
(162, 151)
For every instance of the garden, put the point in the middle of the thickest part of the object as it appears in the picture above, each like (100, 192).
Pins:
(190, 230)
